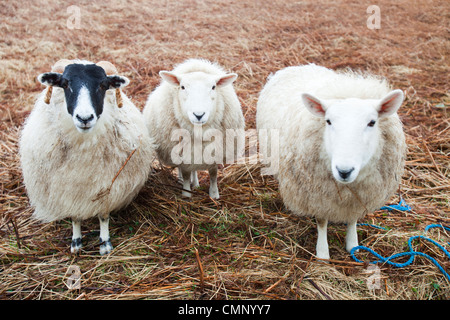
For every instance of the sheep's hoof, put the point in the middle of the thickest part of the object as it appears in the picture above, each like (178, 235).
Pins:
(214, 195)
(186, 194)
(76, 245)
(349, 247)
(105, 247)
(323, 254)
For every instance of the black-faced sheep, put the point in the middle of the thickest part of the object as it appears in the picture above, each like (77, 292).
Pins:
(75, 144)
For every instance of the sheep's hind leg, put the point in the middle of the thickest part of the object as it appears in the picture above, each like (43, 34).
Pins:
(105, 242)
(351, 239)
(322, 251)
(76, 245)
(213, 189)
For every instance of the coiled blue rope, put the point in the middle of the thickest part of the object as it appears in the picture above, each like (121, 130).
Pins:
(436, 226)
(401, 206)
(411, 253)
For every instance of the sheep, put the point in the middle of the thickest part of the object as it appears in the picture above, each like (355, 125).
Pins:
(341, 144)
(197, 99)
(84, 149)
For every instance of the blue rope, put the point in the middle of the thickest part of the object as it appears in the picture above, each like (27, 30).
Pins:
(411, 253)
(371, 225)
(436, 226)
(401, 206)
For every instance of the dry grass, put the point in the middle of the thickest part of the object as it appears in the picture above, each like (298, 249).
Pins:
(246, 245)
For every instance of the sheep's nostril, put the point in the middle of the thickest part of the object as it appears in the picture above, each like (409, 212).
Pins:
(344, 174)
(85, 120)
(199, 116)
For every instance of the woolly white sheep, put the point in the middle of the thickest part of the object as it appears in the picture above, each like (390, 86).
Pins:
(85, 150)
(341, 144)
(193, 102)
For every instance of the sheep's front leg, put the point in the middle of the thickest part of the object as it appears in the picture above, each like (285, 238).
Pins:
(322, 251)
(213, 189)
(105, 242)
(351, 239)
(75, 246)
(186, 183)
(194, 179)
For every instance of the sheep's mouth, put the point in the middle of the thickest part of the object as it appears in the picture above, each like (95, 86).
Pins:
(344, 181)
(198, 122)
(84, 128)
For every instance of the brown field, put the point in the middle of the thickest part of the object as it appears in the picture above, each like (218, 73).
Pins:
(247, 245)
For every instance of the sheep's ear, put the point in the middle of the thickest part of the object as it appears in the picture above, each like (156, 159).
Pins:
(226, 79)
(390, 104)
(50, 79)
(314, 105)
(170, 77)
(117, 82)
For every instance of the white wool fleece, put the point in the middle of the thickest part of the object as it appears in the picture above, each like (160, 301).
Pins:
(163, 114)
(66, 173)
(306, 182)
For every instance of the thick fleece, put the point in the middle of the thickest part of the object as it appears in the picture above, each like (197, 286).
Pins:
(306, 182)
(68, 174)
(163, 115)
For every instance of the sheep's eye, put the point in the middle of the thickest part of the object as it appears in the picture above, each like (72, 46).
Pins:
(182, 87)
(329, 122)
(213, 87)
(371, 123)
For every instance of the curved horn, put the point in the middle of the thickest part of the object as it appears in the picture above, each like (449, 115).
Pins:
(108, 67)
(61, 65)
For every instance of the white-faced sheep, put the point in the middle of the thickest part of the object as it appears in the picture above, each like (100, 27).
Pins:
(196, 100)
(75, 144)
(341, 144)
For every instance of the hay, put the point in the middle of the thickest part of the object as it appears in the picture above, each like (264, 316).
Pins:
(246, 245)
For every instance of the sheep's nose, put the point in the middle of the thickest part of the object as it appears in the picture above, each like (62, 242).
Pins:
(85, 120)
(344, 174)
(198, 116)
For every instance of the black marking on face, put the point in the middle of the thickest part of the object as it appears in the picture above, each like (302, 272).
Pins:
(91, 77)
(84, 87)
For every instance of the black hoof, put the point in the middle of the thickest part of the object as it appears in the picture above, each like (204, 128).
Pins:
(105, 247)
(76, 245)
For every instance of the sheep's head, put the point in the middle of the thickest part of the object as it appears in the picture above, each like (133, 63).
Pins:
(352, 130)
(85, 86)
(197, 93)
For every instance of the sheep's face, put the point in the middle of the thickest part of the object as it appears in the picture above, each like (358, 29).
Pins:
(352, 134)
(197, 93)
(84, 88)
